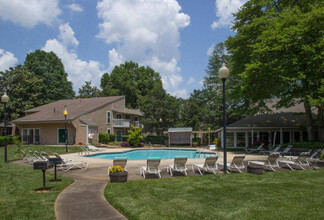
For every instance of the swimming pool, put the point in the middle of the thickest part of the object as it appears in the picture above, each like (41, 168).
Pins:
(163, 154)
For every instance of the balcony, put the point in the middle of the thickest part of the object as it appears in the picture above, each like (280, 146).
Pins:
(137, 124)
(121, 123)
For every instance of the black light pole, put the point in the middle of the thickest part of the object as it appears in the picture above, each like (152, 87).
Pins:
(66, 136)
(161, 129)
(223, 75)
(5, 99)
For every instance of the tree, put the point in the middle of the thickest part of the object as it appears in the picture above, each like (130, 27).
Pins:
(277, 52)
(158, 104)
(88, 91)
(23, 89)
(130, 80)
(48, 67)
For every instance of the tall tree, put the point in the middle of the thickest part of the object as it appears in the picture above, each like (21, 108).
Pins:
(130, 80)
(23, 89)
(88, 91)
(48, 67)
(277, 52)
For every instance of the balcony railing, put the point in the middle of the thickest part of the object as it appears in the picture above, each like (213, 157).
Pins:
(121, 123)
(137, 124)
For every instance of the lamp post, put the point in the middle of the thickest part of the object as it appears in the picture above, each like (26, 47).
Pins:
(5, 99)
(223, 73)
(161, 129)
(66, 137)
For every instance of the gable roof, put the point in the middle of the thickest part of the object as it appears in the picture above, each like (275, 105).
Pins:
(280, 120)
(53, 112)
(129, 111)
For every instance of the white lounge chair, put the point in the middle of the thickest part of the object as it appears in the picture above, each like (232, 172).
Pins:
(287, 150)
(152, 167)
(68, 164)
(271, 162)
(119, 161)
(212, 147)
(276, 150)
(299, 162)
(93, 148)
(314, 157)
(179, 165)
(257, 150)
(236, 164)
(210, 165)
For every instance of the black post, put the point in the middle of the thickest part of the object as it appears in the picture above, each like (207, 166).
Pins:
(66, 137)
(5, 131)
(44, 180)
(224, 128)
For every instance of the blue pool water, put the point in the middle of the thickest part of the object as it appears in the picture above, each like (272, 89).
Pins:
(163, 154)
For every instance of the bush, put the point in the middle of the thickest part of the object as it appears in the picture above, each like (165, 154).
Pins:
(10, 140)
(311, 145)
(124, 144)
(134, 136)
(141, 144)
(196, 140)
(156, 139)
(125, 138)
(106, 138)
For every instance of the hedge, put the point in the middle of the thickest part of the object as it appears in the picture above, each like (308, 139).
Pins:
(311, 145)
(106, 138)
(156, 139)
(10, 140)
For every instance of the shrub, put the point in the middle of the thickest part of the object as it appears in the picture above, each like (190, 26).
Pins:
(155, 139)
(311, 145)
(124, 144)
(197, 140)
(141, 144)
(125, 138)
(106, 138)
(10, 139)
(134, 136)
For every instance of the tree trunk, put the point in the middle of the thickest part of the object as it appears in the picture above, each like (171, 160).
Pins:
(310, 121)
(320, 118)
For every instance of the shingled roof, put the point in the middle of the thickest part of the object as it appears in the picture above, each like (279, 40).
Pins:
(76, 107)
(282, 120)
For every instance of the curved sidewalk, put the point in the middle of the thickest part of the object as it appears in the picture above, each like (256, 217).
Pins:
(84, 199)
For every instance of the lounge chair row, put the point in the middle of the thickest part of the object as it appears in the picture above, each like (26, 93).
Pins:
(34, 156)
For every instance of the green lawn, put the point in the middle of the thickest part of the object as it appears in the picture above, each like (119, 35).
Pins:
(18, 185)
(273, 195)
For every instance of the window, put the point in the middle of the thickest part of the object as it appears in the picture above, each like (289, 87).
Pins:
(118, 116)
(135, 118)
(108, 131)
(24, 135)
(36, 137)
(108, 117)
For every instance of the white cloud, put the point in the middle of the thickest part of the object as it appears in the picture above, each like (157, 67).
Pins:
(190, 81)
(146, 32)
(201, 82)
(75, 7)
(224, 11)
(78, 70)
(210, 50)
(29, 13)
(7, 59)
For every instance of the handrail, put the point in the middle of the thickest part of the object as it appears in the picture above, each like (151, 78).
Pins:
(202, 150)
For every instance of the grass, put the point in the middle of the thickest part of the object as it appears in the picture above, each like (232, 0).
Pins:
(273, 195)
(18, 187)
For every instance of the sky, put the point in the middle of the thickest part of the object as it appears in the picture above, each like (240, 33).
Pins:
(174, 37)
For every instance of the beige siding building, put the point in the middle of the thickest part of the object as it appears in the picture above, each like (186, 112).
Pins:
(86, 118)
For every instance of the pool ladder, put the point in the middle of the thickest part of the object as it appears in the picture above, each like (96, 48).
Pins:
(201, 151)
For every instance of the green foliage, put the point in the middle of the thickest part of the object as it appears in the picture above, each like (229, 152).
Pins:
(88, 91)
(106, 138)
(278, 195)
(18, 143)
(277, 52)
(130, 80)
(125, 137)
(48, 67)
(311, 145)
(155, 139)
(134, 136)
(10, 140)
(23, 89)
